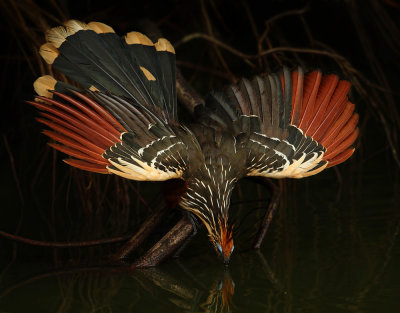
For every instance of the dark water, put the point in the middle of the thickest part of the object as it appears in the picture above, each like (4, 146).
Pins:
(332, 247)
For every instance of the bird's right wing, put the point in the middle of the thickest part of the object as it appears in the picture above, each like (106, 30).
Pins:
(290, 124)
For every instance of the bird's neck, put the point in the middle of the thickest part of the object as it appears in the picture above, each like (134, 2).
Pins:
(209, 191)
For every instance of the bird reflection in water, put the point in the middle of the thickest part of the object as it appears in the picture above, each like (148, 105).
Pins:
(220, 297)
(190, 296)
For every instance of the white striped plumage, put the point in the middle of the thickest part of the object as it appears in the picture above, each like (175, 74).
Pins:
(273, 126)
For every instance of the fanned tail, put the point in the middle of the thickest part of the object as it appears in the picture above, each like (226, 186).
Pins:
(131, 66)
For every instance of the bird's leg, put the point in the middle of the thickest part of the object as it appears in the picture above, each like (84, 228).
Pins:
(269, 214)
(167, 245)
(188, 239)
(145, 230)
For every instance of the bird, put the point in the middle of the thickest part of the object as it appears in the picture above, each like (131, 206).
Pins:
(119, 116)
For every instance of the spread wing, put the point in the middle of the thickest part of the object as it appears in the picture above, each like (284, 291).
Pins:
(123, 118)
(291, 124)
(108, 134)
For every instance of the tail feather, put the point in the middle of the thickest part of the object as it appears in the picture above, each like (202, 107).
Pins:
(166, 61)
(133, 67)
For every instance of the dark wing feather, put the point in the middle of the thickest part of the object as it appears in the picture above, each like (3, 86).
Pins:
(126, 123)
(132, 67)
(108, 134)
(291, 125)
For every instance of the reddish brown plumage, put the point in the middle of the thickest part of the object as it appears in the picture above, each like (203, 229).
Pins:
(297, 96)
(311, 85)
(321, 109)
(343, 156)
(226, 239)
(106, 119)
(327, 87)
(332, 132)
(345, 139)
(83, 130)
(87, 166)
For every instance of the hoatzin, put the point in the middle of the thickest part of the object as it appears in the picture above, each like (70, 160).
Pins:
(123, 120)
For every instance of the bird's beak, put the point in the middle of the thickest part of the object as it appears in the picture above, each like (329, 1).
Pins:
(226, 260)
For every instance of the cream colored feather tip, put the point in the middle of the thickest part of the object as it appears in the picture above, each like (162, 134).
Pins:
(133, 38)
(43, 84)
(164, 45)
(100, 28)
(57, 35)
(49, 52)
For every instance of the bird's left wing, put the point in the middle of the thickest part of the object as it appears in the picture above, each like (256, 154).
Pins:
(108, 134)
(122, 119)
(290, 124)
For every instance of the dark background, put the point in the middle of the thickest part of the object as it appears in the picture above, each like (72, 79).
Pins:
(42, 198)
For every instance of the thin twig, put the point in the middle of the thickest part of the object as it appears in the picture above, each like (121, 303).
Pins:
(245, 56)
(55, 244)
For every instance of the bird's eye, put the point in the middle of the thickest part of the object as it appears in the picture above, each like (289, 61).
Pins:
(219, 248)
(233, 248)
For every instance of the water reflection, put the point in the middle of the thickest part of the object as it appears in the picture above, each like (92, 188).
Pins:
(288, 284)
(195, 296)
(174, 287)
(220, 298)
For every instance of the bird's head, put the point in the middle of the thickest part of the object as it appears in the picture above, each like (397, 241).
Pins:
(223, 241)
